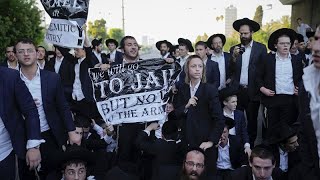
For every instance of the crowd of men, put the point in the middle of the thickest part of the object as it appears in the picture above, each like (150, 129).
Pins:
(50, 127)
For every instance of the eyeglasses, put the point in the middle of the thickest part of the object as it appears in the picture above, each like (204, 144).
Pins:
(191, 164)
(22, 51)
(284, 43)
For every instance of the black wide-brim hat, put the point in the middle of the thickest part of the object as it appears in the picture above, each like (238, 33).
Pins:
(221, 36)
(310, 34)
(229, 122)
(112, 41)
(187, 42)
(173, 48)
(227, 92)
(96, 42)
(276, 34)
(158, 44)
(246, 21)
(74, 152)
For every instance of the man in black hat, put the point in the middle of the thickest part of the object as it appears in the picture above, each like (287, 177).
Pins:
(164, 47)
(185, 46)
(245, 57)
(174, 52)
(278, 76)
(216, 43)
(310, 114)
(230, 152)
(97, 56)
(113, 56)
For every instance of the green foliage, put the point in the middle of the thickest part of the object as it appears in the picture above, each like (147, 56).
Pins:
(19, 19)
(98, 29)
(116, 33)
(232, 40)
(204, 37)
(258, 15)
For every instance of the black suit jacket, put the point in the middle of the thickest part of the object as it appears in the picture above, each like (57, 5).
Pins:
(5, 63)
(258, 51)
(18, 111)
(118, 58)
(104, 58)
(55, 106)
(236, 152)
(227, 59)
(266, 74)
(87, 63)
(65, 72)
(308, 140)
(203, 122)
(293, 157)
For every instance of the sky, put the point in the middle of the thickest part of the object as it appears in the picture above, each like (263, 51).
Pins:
(172, 19)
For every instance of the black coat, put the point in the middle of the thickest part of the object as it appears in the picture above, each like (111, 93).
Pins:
(266, 72)
(203, 122)
(118, 58)
(308, 140)
(258, 51)
(104, 58)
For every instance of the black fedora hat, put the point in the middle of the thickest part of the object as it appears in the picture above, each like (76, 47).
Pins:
(280, 133)
(112, 41)
(186, 42)
(310, 34)
(276, 34)
(299, 37)
(227, 92)
(229, 122)
(221, 36)
(74, 152)
(246, 21)
(96, 42)
(158, 44)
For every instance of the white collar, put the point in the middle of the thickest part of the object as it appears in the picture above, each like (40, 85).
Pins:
(278, 56)
(250, 45)
(196, 86)
(214, 55)
(24, 77)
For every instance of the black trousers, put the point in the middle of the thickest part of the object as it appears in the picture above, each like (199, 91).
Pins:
(282, 109)
(48, 150)
(251, 107)
(7, 167)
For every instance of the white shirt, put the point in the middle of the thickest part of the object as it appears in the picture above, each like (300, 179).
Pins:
(41, 66)
(222, 68)
(11, 67)
(77, 93)
(193, 91)
(244, 75)
(34, 86)
(98, 55)
(183, 60)
(309, 57)
(311, 83)
(284, 76)
(113, 55)
(5, 142)
(58, 64)
(166, 55)
(283, 165)
(223, 161)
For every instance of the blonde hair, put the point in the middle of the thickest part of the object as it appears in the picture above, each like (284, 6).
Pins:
(186, 69)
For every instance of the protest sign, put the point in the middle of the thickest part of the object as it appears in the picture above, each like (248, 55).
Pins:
(68, 16)
(133, 92)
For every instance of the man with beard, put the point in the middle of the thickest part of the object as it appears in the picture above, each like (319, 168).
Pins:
(98, 58)
(42, 57)
(164, 47)
(216, 43)
(309, 101)
(193, 167)
(245, 57)
(11, 61)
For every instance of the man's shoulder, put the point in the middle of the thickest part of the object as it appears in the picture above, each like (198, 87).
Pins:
(4, 71)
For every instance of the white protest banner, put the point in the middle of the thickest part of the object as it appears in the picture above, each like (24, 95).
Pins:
(133, 92)
(68, 16)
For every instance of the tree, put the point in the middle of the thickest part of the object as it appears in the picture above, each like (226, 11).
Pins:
(19, 19)
(98, 29)
(116, 33)
(232, 40)
(258, 15)
(204, 37)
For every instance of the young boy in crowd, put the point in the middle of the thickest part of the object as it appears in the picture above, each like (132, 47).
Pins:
(228, 97)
